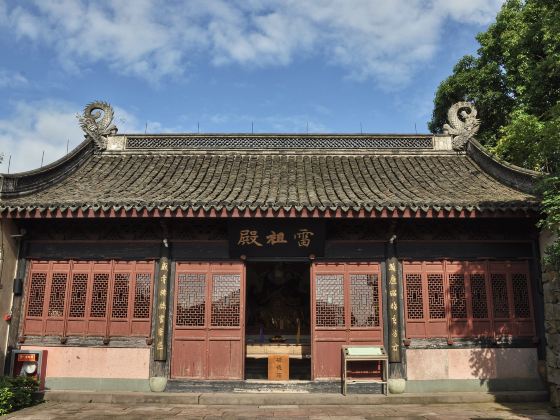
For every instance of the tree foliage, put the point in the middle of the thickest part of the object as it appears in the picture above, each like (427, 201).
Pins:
(16, 393)
(514, 79)
(517, 67)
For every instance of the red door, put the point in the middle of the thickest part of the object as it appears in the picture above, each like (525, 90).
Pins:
(345, 309)
(208, 321)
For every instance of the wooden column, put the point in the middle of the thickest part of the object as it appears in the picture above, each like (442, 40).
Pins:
(393, 311)
(160, 337)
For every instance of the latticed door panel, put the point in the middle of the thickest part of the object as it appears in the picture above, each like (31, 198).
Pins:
(436, 303)
(329, 300)
(479, 296)
(87, 297)
(226, 300)
(190, 295)
(511, 297)
(364, 300)
(35, 298)
(346, 308)
(208, 324)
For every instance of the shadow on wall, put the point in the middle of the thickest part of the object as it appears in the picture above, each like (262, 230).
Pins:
(504, 369)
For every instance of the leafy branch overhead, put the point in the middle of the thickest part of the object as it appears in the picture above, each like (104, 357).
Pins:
(514, 80)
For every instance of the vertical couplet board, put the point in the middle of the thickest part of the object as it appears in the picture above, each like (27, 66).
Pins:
(345, 310)
(208, 321)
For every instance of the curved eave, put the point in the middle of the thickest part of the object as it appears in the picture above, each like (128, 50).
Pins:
(511, 175)
(12, 185)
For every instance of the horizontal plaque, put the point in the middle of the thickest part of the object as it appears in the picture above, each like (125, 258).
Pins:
(276, 238)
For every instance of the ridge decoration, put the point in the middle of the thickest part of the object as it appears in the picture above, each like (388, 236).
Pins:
(463, 125)
(96, 122)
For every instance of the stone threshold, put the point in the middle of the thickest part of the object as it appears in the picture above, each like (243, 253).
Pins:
(276, 399)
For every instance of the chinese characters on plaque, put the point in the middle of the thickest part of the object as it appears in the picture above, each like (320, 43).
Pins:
(161, 310)
(393, 312)
(251, 237)
(276, 238)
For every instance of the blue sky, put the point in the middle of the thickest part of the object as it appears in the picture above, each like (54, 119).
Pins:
(169, 66)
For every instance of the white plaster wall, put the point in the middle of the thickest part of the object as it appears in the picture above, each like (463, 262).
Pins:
(96, 362)
(8, 266)
(427, 364)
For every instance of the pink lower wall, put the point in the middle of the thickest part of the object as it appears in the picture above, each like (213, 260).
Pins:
(95, 362)
(426, 364)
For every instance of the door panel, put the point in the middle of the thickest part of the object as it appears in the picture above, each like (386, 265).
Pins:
(208, 322)
(346, 309)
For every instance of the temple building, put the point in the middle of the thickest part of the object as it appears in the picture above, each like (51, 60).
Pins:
(191, 259)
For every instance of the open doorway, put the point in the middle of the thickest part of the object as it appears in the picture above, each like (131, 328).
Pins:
(278, 317)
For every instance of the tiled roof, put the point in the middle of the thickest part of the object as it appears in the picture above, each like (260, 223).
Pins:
(272, 180)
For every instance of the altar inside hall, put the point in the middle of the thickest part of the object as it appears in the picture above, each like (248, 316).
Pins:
(278, 320)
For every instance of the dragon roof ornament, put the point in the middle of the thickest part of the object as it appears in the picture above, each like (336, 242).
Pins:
(96, 122)
(463, 124)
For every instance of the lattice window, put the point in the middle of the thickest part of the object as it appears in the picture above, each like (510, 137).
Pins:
(330, 300)
(99, 295)
(499, 298)
(364, 300)
(191, 300)
(458, 295)
(436, 302)
(520, 295)
(37, 294)
(500, 295)
(78, 295)
(414, 301)
(142, 294)
(479, 301)
(120, 295)
(57, 295)
(226, 303)
(83, 295)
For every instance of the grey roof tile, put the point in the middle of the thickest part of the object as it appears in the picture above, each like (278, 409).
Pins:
(246, 180)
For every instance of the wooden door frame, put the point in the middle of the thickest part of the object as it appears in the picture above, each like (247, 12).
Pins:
(209, 268)
(346, 287)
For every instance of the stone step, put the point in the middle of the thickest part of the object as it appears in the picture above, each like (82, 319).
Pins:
(275, 399)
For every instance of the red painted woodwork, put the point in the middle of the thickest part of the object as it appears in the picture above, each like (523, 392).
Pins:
(468, 299)
(94, 298)
(345, 309)
(209, 321)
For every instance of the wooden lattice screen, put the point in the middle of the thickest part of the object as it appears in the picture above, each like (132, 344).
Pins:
(209, 321)
(467, 299)
(94, 298)
(346, 309)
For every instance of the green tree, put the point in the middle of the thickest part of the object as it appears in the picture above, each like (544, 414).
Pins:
(517, 67)
(514, 79)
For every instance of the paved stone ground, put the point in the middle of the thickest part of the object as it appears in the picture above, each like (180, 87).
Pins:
(56, 410)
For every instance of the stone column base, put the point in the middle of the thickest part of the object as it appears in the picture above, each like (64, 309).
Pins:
(396, 386)
(158, 383)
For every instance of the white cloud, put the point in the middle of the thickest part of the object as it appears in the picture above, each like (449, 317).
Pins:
(372, 39)
(480, 12)
(10, 79)
(36, 127)
(47, 126)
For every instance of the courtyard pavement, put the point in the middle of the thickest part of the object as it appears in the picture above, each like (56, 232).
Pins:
(60, 410)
